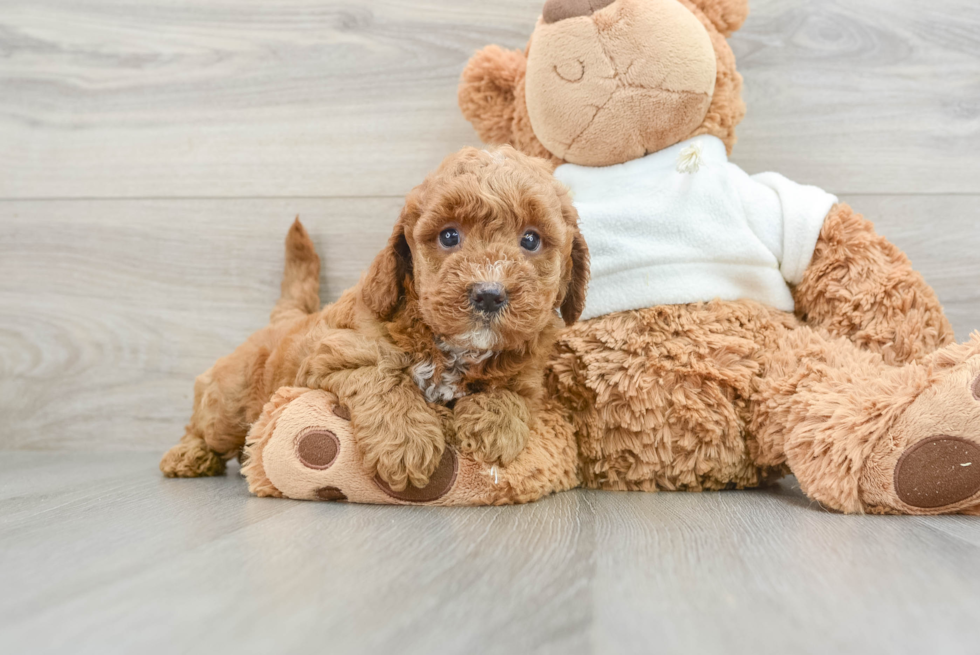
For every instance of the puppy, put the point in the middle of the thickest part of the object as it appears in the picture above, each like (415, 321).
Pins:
(444, 340)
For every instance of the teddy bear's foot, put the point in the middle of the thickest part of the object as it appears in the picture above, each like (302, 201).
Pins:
(191, 458)
(939, 472)
(930, 461)
(303, 448)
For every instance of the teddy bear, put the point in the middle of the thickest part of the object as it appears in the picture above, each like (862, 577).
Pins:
(302, 447)
(737, 328)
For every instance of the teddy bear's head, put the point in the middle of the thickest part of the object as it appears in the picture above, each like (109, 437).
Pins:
(606, 81)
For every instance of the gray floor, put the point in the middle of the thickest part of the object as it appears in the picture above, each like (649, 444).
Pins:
(102, 555)
(153, 154)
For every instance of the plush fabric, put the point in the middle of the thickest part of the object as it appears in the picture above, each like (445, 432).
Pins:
(275, 466)
(726, 15)
(597, 96)
(661, 236)
(847, 376)
(853, 383)
(492, 93)
(862, 287)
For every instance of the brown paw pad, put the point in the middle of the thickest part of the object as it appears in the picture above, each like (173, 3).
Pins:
(331, 494)
(341, 412)
(318, 449)
(440, 483)
(937, 472)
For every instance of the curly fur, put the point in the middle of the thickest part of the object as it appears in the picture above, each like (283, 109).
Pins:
(412, 309)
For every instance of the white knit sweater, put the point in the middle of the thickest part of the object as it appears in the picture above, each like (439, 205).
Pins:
(660, 236)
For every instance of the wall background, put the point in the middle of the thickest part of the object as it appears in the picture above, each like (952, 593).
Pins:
(153, 154)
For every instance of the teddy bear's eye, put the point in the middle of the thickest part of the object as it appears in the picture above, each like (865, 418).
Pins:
(571, 71)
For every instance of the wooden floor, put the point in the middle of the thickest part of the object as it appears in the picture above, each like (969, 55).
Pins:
(154, 152)
(152, 156)
(101, 555)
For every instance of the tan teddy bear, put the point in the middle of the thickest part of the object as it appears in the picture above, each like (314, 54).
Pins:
(739, 327)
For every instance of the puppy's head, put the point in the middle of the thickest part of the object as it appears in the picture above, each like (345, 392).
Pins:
(490, 246)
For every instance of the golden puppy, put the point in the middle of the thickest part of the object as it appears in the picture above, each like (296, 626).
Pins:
(445, 337)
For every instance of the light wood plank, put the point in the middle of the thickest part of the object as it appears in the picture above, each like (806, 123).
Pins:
(209, 98)
(109, 309)
(204, 567)
(101, 554)
(760, 571)
(863, 96)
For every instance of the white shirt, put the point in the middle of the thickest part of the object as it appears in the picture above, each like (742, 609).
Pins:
(659, 236)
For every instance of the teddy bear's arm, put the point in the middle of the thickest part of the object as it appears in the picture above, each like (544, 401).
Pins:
(862, 287)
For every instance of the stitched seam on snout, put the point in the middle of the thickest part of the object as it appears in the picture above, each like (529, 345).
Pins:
(585, 129)
(616, 77)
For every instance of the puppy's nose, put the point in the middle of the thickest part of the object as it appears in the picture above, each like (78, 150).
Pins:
(556, 10)
(488, 297)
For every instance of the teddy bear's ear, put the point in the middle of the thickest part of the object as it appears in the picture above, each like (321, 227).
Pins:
(727, 15)
(486, 92)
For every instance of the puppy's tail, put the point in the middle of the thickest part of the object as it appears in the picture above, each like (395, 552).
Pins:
(301, 278)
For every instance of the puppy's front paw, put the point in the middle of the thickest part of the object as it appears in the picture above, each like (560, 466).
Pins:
(404, 449)
(492, 426)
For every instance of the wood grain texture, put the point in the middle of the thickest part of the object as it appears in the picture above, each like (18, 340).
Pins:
(109, 309)
(152, 156)
(863, 96)
(101, 554)
(210, 98)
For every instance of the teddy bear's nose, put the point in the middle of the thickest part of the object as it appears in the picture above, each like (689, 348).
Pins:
(556, 10)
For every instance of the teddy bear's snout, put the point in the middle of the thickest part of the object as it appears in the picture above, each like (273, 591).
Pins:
(556, 10)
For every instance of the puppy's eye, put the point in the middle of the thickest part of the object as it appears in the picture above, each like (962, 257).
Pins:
(531, 241)
(450, 237)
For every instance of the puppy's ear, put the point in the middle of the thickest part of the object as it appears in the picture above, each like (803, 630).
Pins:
(383, 286)
(573, 304)
(486, 92)
(726, 15)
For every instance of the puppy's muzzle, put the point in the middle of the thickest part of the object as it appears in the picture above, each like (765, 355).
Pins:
(488, 297)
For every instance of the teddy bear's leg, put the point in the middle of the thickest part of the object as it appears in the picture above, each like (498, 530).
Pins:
(658, 396)
(863, 436)
(861, 287)
(303, 447)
